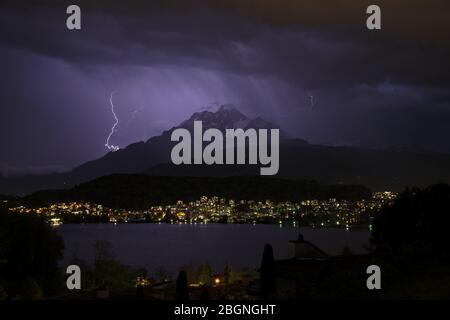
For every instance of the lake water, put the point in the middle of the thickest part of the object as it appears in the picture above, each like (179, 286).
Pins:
(172, 246)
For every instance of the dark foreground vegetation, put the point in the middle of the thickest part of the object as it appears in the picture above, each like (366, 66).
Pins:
(29, 254)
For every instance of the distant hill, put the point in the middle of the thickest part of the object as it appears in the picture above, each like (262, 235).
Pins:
(140, 191)
(379, 169)
(4, 197)
(376, 168)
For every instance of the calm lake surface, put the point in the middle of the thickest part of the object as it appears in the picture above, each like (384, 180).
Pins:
(172, 246)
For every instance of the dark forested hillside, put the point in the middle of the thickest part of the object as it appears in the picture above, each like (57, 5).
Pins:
(139, 191)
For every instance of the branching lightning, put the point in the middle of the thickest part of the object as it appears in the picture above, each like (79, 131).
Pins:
(133, 116)
(111, 147)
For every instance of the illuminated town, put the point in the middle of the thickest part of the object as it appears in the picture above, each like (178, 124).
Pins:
(316, 213)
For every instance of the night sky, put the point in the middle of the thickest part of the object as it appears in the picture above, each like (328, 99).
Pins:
(168, 59)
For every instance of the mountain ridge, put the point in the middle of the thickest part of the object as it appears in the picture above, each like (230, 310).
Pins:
(379, 169)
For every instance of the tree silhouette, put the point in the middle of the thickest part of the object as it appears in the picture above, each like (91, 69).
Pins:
(227, 274)
(267, 273)
(162, 274)
(29, 254)
(205, 274)
(182, 292)
(108, 272)
(204, 296)
(416, 216)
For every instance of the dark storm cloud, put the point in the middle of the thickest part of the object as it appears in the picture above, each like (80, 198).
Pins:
(338, 51)
(170, 58)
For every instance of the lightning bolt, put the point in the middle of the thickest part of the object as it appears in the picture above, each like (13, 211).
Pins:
(311, 100)
(133, 115)
(111, 147)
